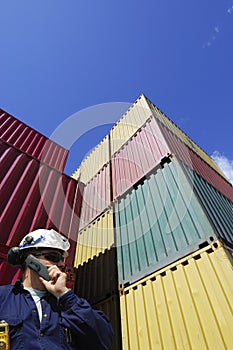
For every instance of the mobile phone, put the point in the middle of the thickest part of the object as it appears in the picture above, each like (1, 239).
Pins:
(36, 265)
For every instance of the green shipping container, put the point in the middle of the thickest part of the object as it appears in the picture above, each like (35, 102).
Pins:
(161, 220)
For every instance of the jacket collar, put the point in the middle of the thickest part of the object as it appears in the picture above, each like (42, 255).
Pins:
(18, 287)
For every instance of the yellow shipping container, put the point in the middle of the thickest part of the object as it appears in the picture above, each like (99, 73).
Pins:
(187, 305)
(95, 238)
(94, 161)
(129, 123)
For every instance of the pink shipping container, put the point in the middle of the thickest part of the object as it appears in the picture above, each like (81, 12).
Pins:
(35, 195)
(196, 163)
(30, 141)
(137, 157)
(146, 148)
(96, 196)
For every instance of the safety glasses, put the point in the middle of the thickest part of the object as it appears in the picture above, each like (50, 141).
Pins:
(51, 256)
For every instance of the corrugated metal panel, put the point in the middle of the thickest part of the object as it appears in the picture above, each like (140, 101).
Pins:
(93, 162)
(54, 155)
(77, 173)
(196, 163)
(30, 141)
(160, 221)
(190, 143)
(96, 196)
(186, 306)
(111, 308)
(95, 238)
(218, 208)
(141, 153)
(3, 251)
(8, 274)
(129, 123)
(34, 195)
(96, 279)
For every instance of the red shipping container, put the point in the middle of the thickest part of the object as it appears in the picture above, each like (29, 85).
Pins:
(35, 195)
(30, 141)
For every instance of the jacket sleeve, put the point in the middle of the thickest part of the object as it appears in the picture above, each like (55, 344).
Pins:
(90, 328)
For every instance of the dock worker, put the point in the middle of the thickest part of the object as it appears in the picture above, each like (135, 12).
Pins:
(42, 313)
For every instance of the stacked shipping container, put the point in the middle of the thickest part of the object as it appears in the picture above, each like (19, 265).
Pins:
(162, 219)
(186, 305)
(95, 259)
(31, 141)
(183, 137)
(155, 232)
(168, 200)
(96, 248)
(34, 191)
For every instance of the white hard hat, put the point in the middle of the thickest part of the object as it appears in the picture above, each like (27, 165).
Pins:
(43, 238)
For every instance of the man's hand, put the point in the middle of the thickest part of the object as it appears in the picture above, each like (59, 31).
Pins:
(57, 283)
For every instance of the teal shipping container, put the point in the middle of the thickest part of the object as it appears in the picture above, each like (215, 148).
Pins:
(165, 218)
(218, 208)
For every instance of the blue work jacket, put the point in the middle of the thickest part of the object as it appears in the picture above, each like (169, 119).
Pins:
(67, 323)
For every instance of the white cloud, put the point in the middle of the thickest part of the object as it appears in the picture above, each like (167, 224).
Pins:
(230, 10)
(225, 164)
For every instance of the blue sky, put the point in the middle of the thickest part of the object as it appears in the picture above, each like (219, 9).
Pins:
(61, 57)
